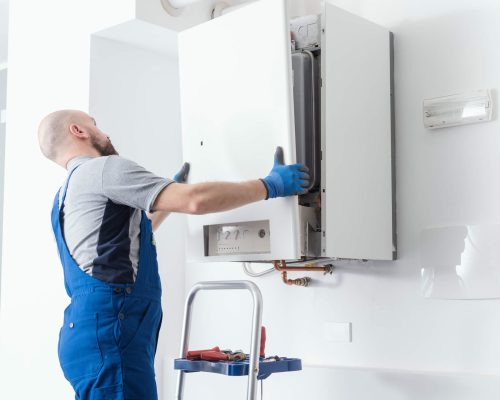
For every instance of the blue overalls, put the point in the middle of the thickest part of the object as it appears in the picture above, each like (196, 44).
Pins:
(108, 341)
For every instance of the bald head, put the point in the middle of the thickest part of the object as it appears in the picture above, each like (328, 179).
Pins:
(54, 133)
(65, 134)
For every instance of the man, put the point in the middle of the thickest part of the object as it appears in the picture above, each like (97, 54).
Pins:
(103, 218)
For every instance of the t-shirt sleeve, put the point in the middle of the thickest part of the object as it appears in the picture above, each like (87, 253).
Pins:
(125, 182)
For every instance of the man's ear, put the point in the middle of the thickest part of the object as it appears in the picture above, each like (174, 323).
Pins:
(78, 131)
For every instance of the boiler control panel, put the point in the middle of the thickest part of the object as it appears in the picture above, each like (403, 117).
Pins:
(250, 237)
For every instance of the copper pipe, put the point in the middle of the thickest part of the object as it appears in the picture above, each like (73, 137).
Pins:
(297, 282)
(281, 266)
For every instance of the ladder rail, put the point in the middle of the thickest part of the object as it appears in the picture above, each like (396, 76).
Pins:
(255, 332)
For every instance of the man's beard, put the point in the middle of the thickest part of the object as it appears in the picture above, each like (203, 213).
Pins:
(104, 150)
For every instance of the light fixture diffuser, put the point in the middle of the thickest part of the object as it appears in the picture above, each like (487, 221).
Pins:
(458, 109)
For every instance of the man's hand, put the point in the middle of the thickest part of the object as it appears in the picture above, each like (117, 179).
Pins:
(286, 180)
(181, 176)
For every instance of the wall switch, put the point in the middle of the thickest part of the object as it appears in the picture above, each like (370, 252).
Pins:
(337, 332)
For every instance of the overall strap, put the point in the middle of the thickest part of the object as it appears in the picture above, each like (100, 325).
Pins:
(62, 192)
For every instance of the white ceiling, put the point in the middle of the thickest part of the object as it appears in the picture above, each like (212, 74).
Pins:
(4, 17)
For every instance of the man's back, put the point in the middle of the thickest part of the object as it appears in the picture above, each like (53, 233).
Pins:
(102, 214)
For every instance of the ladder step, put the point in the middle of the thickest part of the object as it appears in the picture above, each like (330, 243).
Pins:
(239, 368)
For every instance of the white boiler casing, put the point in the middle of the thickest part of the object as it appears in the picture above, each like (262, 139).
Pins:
(237, 107)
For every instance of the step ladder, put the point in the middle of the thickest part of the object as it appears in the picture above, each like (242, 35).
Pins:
(253, 366)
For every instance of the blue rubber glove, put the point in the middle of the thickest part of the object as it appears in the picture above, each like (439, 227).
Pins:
(181, 176)
(286, 180)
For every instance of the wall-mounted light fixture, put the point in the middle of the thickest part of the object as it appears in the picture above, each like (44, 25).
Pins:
(458, 109)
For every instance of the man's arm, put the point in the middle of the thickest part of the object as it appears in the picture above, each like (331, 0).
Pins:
(158, 217)
(204, 198)
(209, 197)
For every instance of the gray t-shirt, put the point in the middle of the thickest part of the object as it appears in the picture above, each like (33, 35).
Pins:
(102, 214)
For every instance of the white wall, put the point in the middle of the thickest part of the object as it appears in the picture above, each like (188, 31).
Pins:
(3, 107)
(443, 178)
(49, 52)
(4, 30)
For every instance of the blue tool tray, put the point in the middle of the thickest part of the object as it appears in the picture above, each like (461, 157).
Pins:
(238, 368)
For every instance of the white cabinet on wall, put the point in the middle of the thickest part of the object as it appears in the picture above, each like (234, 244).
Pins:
(237, 106)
